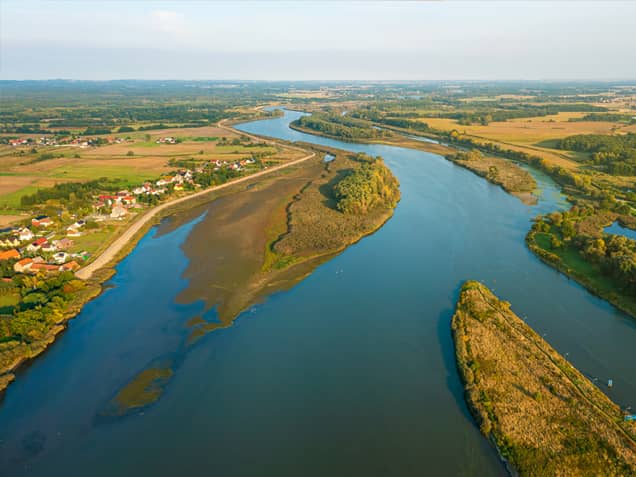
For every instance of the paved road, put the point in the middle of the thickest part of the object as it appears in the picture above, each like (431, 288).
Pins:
(120, 242)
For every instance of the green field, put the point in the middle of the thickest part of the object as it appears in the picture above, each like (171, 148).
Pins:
(85, 172)
(11, 201)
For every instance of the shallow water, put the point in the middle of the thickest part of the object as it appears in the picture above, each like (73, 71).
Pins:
(618, 229)
(349, 373)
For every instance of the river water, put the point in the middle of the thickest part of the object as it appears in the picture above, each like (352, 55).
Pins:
(349, 373)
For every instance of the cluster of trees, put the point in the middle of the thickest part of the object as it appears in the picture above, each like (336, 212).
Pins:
(608, 117)
(398, 119)
(43, 301)
(209, 177)
(342, 127)
(370, 186)
(615, 153)
(472, 155)
(74, 195)
(487, 116)
(615, 254)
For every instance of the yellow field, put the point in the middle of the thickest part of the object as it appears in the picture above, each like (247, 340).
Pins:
(530, 131)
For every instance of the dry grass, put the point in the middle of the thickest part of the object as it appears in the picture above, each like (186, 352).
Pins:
(6, 220)
(527, 131)
(512, 178)
(545, 417)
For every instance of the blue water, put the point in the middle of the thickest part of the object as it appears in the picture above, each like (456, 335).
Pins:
(349, 373)
(618, 229)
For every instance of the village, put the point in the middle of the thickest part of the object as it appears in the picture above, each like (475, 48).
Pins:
(43, 244)
(71, 141)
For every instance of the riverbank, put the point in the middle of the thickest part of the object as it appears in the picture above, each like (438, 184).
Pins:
(543, 415)
(502, 172)
(586, 256)
(14, 355)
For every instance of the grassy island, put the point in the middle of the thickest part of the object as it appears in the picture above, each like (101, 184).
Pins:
(275, 233)
(512, 178)
(544, 416)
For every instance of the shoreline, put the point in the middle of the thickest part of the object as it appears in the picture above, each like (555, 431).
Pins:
(559, 267)
(613, 298)
(102, 268)
(506, 368)
(527, 197)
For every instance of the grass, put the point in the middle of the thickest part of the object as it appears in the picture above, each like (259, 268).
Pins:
(543, 415)
(90, 171)
(11, 200)
(8, 299)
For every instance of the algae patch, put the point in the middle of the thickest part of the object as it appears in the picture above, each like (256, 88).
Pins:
(143, 390)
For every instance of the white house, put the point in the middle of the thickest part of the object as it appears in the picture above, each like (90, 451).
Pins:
(25, 234)
(118, 212)
(60, 257)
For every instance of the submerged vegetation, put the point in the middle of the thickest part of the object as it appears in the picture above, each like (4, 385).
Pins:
(543, 415)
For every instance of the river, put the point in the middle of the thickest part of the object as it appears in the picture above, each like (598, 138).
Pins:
(351, 372)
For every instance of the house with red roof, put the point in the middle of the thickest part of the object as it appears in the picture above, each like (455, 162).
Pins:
(23, 265)
(35, 246)
(9, 254)
(41, 221)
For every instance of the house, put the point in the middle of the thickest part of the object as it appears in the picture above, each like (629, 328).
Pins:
(60, 257)
(166, 140)
(164, 181)
(41, 221)
(9, 254)
(63, 244)
(25, 234)
(128, 200)
(49, 247)
(10, 242)
(69, 267)
(109, 199)
(178, 186)
(44, 267)
(118, 212)
(35, 246)
(23, 265)
(73, 232)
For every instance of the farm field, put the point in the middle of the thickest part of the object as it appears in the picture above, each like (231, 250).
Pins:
(139, 158)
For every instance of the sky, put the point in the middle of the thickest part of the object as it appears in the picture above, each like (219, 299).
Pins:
(328, 40)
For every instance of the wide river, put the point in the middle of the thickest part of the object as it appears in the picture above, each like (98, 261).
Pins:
(351, 372)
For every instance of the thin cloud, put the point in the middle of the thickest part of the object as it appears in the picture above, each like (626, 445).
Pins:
(168, 21)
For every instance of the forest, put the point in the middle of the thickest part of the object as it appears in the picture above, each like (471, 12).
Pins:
(616, 154)
(341, 127)
(366, 188)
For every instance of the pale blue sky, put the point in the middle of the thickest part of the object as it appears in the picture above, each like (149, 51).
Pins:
(317, 40)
